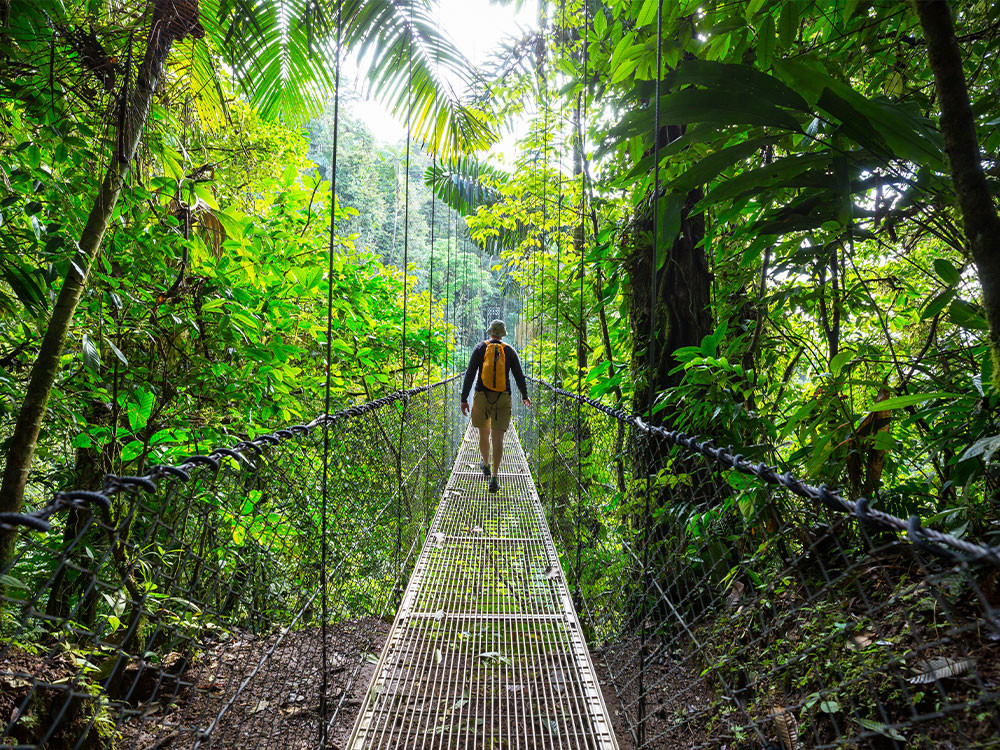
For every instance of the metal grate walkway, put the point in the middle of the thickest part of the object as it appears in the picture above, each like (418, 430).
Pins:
(486, 650)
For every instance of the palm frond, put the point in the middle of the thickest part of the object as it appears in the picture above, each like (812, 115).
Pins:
(282, 54)
(407, 56)
(466, 183)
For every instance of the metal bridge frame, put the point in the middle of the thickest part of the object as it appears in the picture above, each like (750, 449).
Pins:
(486, 649)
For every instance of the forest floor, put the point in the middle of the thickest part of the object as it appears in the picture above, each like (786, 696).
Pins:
(280, 706)
(911, 673)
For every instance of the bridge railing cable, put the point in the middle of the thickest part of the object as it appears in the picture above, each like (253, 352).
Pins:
(181, 607)
(749, 608)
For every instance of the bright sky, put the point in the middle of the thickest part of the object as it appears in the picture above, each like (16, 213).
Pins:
(477, 27)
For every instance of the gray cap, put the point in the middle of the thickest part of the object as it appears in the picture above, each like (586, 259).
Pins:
(497, 329)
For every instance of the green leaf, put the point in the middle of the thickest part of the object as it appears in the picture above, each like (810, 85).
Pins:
(788, 24)
(732, 77)
(937, 304)
(967, 316)
(132, 450)
(733, 107)
(908, 134)
(838, 362)
(709, 167)
(600, 23)
(91, 356)
(10, 582)
(765, 42)
(900, 402)
(140, 408)
(647, 13)
(948, 273)
(853, 124)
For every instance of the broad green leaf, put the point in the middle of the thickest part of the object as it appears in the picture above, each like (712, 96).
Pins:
(948, 273)
(600, 23)
(902, 127)
(967, 316)
(900, 402)
(854, 124)
(91, 355)
(710, 166)
(132, 450)
(732, 77)
(10, 582)
(765, 42)
(765, 177)
(788, 23)
(724, 108)
(937, 303)
(838, 362)
(139, 409)
(647, 13)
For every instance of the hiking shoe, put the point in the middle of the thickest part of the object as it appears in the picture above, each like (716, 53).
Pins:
(494, 485)
(486, 470)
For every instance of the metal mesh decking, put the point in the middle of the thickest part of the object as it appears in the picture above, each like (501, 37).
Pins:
(486, 650)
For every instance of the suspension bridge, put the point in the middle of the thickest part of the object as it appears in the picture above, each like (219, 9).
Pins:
(627, 587)
(486, 647)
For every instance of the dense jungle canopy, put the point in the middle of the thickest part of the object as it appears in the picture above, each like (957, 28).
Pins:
(772, 224)
(819, 179)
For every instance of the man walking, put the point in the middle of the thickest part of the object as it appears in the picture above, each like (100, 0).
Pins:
(493, 361)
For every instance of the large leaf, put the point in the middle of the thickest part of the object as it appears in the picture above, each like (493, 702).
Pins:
(718, 108)
(711, 165)
(767, 177)
(906, 132)
(725, 78)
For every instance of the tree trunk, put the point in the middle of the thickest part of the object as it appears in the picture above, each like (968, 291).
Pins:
(979, 214)
(172, 20)
(682, 316)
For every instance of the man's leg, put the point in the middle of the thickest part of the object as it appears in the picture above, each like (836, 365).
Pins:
(484, 443)
(497, 450)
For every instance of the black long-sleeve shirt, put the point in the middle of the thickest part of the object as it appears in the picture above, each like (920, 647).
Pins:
(513, 365)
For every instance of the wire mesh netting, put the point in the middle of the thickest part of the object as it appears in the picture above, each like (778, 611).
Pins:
(725, 611)
(185, 608)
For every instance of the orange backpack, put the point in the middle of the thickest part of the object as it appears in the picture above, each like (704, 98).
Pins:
(494, 373)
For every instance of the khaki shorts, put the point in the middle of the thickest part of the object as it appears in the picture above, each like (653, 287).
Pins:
(490, 407)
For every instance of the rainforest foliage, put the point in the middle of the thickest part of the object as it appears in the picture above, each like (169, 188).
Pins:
(818, 291)
(769, 223)
(204, 309)
(819, 301)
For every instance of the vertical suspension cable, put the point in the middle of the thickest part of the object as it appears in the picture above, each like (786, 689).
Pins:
(581, 121)
(324, 604)
(651, 345)
(559, 241)
(430, 336)
(406, 288)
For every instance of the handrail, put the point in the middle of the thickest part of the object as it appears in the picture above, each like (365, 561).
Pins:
(932, 540)
(37, 520)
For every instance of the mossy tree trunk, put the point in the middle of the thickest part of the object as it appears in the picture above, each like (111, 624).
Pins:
(958, 125)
